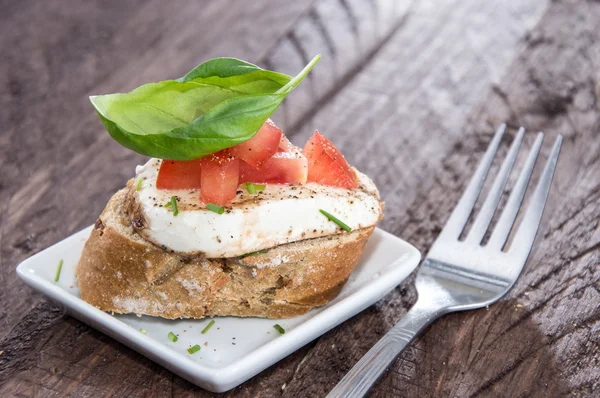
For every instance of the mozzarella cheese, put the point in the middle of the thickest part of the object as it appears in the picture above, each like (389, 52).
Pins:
(280, 214)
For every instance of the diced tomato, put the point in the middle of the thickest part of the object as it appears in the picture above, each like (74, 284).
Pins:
(326, 165)
(219, 175)
(220, 178)
(175, 174)
(285, 145)
(258, 149)
(282, 168)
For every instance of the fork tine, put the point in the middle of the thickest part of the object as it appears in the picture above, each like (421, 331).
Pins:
(509, 214)
(461, 212)
(491, 203)
(528, 228)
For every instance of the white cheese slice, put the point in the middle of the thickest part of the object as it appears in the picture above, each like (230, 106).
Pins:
(280, 214)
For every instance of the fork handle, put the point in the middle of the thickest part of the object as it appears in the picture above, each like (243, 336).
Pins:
(373, 364)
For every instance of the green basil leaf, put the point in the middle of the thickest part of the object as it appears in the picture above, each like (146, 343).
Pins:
(219, 104)
(238, 75)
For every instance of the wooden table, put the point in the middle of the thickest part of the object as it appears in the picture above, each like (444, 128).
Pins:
(410, 91)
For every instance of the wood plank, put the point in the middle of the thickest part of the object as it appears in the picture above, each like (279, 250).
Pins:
(427, 128)
(93, 150)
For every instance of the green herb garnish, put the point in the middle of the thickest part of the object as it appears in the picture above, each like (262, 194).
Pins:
(207, 328)
(57, 276)
(336, 220)
(252, 188)
(143, 331)
(172, 337)
(216, 208)
(194, 349)
(138, 184)
(279, 328)
(253, 253)
(174, 205)
(220, 103)
(168, 205)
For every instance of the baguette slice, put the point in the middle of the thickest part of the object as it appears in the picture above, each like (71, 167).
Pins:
(119, 271)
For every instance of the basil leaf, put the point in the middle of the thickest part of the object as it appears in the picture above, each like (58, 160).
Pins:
(237, 74)
(219, 104)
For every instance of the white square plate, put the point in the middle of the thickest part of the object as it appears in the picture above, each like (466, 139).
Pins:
(234, 349)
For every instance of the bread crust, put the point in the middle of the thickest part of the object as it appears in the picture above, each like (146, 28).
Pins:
(121, 272)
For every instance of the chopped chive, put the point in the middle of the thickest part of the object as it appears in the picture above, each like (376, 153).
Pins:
(213, 207)
(279, 328)
(253, 253)
(207, 328)
(57, 276)
(194, 349)
(250, 187)
(336, 220)
(143, 331)
(172, 337)
(138, 184)
(174, 205)
(167, 205)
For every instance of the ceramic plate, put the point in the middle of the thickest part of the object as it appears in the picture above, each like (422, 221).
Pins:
(234, 349)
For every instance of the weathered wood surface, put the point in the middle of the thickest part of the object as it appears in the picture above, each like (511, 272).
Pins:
(410, 91)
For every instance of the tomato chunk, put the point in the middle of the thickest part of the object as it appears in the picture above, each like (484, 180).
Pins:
(326, 165)
(285, 145)
(220, 178)
(175, 174)
(282, 168)
(258, 149)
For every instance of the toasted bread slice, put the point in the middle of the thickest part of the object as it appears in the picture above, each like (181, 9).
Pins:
(120, 271)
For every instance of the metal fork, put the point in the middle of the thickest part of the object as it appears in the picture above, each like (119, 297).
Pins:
(462, 275)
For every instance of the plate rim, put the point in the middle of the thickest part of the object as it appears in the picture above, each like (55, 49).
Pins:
(233, 374)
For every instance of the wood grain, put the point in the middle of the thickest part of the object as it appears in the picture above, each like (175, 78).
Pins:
(410, 91)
